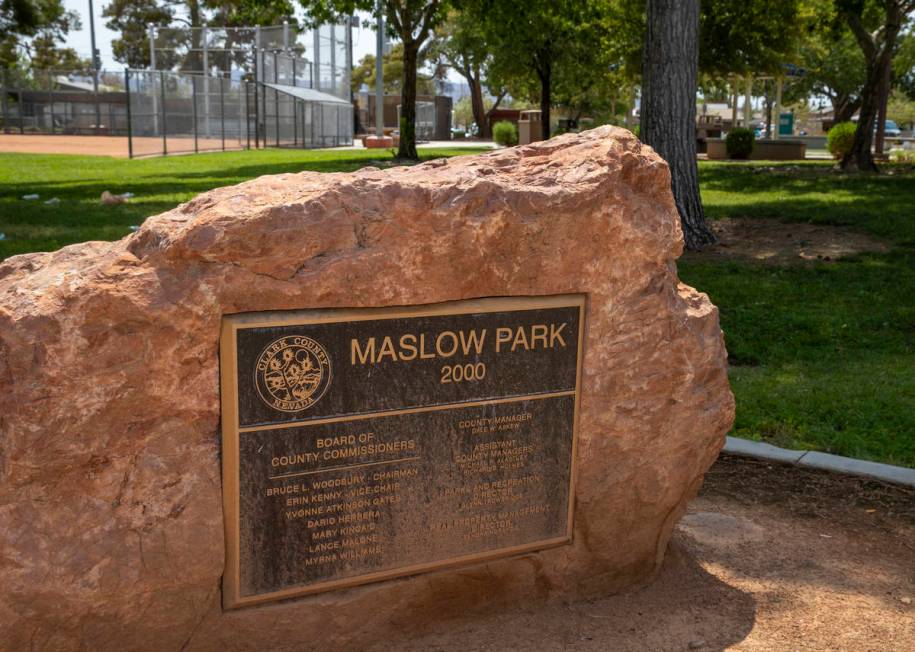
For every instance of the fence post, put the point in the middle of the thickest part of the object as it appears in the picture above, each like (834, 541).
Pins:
(317, 59)
(333, 59)
(247, 115)
(162, 117)
(222, 110)
(194, 108)
(206, 81)
(276, 112)
(6, 115)
(129, 124)
(51, 100)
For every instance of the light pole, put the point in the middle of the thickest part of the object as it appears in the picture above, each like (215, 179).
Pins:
(379, 69)
(95, 65)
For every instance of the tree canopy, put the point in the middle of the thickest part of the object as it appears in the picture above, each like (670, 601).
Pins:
(34, 30)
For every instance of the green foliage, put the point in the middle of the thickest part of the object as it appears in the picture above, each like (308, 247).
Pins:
(840, 138)
(904, 66)
(32, 31)
(901, 109)
(739, 143)
(412, 21)
(132, 18)
(833, 65)
(392, 73)
(903, 156)
(459, 44)
(558, 52)
(505, 133)
(750, 36)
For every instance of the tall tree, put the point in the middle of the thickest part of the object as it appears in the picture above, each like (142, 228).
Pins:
(879, 46)
(35, 29)
(460, 43)
(531, 40)
(413, 22)
(747, 36)
(669, 81)
(131, 19)
(181, 46)
(19, 18)
(834, 68)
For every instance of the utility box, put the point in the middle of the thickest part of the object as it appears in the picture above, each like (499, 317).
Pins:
(786, 124)
(529, 127)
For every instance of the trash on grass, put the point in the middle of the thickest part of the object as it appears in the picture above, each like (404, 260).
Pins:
(30, 197)
(127, 195)
(110, 200)
(134, 227)
(53, 201)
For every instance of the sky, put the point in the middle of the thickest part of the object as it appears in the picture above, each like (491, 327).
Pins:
(363, 39)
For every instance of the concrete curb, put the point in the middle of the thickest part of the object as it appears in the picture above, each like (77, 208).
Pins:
(823, 461)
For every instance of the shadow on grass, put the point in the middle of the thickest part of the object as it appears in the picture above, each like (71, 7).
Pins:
(880, 204)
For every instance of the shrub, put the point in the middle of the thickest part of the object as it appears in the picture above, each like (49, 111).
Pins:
(840, 138)
(903, 156)
(739, 143)
(505, 133)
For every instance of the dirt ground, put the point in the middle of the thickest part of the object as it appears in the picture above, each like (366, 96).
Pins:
(768, 558)
(100, 145)
(777, 243)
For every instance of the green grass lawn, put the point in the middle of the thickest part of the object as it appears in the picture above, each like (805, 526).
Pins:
(823, 355)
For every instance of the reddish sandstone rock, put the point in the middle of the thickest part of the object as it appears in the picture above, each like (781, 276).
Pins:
(110, 495)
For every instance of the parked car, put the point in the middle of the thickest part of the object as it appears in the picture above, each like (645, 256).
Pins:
(890, 129)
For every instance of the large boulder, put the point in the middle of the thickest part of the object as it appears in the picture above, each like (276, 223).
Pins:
(110, 494)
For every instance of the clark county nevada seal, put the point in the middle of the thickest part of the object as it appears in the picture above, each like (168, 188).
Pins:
(292, 373)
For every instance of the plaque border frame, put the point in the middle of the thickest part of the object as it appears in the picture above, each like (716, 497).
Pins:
(231, 430)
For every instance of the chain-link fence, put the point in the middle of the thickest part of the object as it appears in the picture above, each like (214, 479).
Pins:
(62, 102)
(253, 97)
(425, 120)
(172, 113)
(321, 56)
(301, 117)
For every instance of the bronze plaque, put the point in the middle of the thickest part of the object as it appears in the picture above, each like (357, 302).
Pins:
(364, 444)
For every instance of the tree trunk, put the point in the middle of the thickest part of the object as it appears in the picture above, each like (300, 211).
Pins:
(845, 108)
(407, 147)
(194, 60)
(546, 79)
(479, 109)
(879, 56)
(669, 79)
(860, 157)
(883, 99)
